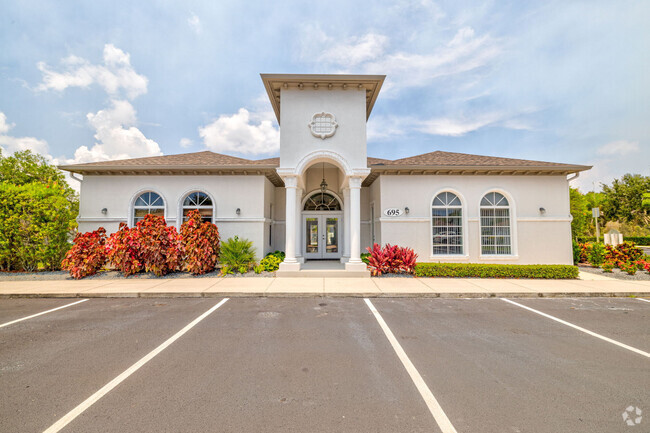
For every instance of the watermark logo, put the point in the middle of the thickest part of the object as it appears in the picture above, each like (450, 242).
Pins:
(632, 416)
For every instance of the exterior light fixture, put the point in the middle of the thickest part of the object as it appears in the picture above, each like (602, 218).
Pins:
(104, 211)
(542, 211)
(323, 184)
(407, 210)
(238, 211)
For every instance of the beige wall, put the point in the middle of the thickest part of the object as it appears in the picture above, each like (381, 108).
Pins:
(537, 238)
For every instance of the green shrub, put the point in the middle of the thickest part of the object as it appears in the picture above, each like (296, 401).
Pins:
(364, 257)
(279, 254)
(639, 240)
(270, 263)
(577, 252)
(236, 253)
(243, 269)
(596, 255)
(226, 270)
(258, 269)
(482, 270)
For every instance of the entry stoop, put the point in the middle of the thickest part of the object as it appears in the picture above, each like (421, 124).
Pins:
(323, 269)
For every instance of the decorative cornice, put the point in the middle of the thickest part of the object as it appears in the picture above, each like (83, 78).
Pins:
(276, 83)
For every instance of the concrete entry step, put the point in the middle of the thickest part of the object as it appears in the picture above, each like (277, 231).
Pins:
(322, 273)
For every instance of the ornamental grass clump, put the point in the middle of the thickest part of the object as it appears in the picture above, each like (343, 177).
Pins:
(87, 255)
(237, 254)
(124, 250)
(161, 248)
(200, 243)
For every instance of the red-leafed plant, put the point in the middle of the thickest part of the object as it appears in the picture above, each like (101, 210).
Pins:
(124, 250)
(87, 255)
(391, 259)
(160, 245)
(201, 244)
(625, 252)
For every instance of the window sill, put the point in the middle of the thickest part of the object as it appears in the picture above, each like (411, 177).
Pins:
(449, 257)
(498, 257)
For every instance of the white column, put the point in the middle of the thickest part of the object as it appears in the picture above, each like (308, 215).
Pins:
(290, 263)
(298, 236)
(346, 223)
(355, 262)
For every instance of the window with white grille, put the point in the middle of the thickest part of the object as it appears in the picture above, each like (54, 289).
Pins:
(496, 236)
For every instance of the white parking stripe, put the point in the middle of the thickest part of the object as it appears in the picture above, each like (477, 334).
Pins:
(41, 313)
(66, 419)
(579, 328)
(434, 407)
(644, 300)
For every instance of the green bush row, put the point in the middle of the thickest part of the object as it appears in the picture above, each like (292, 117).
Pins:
(639, 240)
(475, 270)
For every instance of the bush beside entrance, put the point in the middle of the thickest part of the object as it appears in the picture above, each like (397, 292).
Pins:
(482, 270)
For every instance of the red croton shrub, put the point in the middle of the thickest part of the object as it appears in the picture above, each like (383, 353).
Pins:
(201, 244)
(391, 259)
(124, 250)
(161, 249)
(625, 252)
(87, 255)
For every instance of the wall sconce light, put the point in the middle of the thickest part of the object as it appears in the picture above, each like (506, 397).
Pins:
(542, 211)
(407, 210)
(104, 211)
(238, 211)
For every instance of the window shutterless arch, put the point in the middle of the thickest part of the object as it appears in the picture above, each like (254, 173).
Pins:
(147, 202)
(495, 225)
(447, 225)
(199, 201)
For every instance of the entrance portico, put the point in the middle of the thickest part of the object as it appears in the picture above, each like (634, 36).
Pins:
(322, 151)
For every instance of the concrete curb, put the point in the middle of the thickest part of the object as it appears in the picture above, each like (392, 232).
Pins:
(329, 295)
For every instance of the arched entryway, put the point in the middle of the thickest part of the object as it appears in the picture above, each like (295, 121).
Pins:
(322, 215)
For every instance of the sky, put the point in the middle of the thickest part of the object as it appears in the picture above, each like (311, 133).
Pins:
(562, 81)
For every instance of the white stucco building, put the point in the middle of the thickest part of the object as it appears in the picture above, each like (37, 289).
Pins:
(324, 198)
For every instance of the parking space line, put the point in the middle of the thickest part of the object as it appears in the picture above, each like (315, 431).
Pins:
(644, 300)
(70, 416)
(434, 407)
(41, 313)
(579, 328)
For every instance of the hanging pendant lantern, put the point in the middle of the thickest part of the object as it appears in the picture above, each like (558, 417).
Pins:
(323, 184)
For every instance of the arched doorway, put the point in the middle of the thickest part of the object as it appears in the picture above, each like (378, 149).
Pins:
(322, 214)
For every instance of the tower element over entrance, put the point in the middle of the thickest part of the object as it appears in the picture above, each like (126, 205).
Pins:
(323, 121)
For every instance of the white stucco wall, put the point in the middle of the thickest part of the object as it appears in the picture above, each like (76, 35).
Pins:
(298, 107)
(537, 238)
(252, 194)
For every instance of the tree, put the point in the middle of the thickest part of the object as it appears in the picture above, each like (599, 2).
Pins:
(580, 212)
(38, 211)
(624, 199)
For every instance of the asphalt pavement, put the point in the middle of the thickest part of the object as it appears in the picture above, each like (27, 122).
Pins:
(324, 364)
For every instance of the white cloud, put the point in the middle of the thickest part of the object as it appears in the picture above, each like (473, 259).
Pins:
(620, 147)
(11, 144)
(369, 54)
(116, 135)
(114, 75)
(186, 142)
(456, 127)
(356, 51)
(243, 132)
(195, 23)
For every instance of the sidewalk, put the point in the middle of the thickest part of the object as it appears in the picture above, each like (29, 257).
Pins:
(588, 285)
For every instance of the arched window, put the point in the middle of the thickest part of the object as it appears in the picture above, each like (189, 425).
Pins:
(322, 201)
(198, 201)
(148, 203)
(447, 224)
(496, 237)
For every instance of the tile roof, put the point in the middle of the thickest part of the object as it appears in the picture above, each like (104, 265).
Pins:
(451, 159)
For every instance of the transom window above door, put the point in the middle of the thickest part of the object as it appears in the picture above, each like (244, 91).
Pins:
(322, 201)
(201, 202)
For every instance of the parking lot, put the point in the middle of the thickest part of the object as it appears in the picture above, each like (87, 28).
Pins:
(324, 364)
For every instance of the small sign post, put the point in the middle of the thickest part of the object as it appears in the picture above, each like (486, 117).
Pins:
(595, 211)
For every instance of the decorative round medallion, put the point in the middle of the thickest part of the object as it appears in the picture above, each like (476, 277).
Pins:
(323, 125)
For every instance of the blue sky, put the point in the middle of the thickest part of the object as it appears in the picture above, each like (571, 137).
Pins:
(563, 81)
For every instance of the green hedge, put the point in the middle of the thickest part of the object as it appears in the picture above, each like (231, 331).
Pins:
(474, 270)
(639, 240)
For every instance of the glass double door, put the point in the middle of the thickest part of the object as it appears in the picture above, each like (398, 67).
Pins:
(321, 236)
